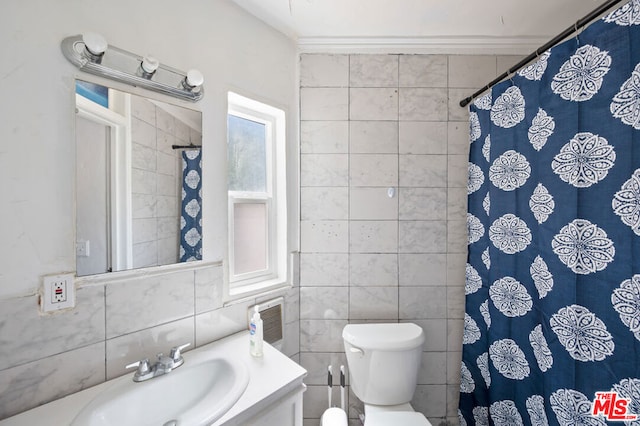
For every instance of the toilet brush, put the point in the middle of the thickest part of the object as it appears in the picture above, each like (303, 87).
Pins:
(329, 383)
(342, 384)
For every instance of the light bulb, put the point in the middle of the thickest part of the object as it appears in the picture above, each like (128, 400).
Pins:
(194, 79)
(95, 43)
(149, 64)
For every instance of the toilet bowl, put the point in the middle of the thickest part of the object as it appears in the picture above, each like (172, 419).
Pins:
(383, 361)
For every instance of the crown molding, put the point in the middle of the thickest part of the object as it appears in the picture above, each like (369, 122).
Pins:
(423, 45)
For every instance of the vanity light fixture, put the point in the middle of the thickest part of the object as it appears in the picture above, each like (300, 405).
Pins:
(91, 53)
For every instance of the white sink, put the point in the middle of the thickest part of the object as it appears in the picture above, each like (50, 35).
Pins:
(190, 395)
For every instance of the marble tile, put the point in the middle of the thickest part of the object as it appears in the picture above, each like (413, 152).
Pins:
(457, 203)
(471, 70)
(372, 204)
(422, 203)
(428, 171)
(423, 137)
(165, 121)
(168, 227)
(208, 289)
(316, 364)
(314, 402)
(423, 71)
(373, 269)
(167, 164)
(430, 400)
(35, 383)
(28, 336)
(456, 269)
(168, 251)
(457, 239)
(143, 230)
(129, 348)
(324, 236)
(166, 185)
(223, 322)
(422, 270)
(145, 254)
(422, 303)
(181, 130)
(435, 332)
(422, 104)
(455, 330)
(143, 133)
(144, 110)
(328, 303)
(291, 339)
(292, 305)
(324, 104)
(166, 206)
(454, 365)
(374, 303)
(321, 335)
(456, 112)
(373, 137)
(143, 182)
(138, 304)
(164, 141)
(422, 236)
(143, 157)
(320, 70)
(373, 104)
(324, 203)
(324, 170)
(455, 302)
(373, 71)
(373, 170)
(458, 137)
(324, 137)
(433, 369)
(143, 206)
(373, 236)
(453, 399)
(457, 171)
(324, 269)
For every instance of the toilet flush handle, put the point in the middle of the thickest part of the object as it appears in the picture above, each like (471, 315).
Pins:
(356, 350)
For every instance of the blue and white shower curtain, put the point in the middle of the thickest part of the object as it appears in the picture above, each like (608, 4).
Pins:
(553, 273)
(191, 211)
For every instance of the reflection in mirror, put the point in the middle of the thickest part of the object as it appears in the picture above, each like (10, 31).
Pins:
(138, 191)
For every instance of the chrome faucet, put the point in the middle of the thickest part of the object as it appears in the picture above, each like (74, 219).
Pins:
(164, 364)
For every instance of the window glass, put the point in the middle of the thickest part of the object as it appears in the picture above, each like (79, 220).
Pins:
(250, 237)
(247, 153)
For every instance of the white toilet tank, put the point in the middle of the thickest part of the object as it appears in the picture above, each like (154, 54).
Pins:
(383, 360)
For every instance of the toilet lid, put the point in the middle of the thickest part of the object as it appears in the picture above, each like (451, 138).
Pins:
(394, 418)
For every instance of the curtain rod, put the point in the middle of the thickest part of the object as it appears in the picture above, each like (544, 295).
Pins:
(557, 39)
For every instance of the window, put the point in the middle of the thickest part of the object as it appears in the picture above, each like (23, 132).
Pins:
(257, 258)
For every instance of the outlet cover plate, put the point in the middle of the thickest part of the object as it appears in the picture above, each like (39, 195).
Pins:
(58, 292)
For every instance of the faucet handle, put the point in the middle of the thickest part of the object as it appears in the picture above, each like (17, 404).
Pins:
(143, 366)
(176, 352)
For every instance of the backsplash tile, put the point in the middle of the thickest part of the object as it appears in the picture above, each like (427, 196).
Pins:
(324, 137)
(373, 104)
(373, 71)
(28, 336)
(324, 70)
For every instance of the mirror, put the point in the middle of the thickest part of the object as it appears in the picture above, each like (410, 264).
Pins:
(138, 181)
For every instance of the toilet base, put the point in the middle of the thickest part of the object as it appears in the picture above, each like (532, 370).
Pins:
(393, 415)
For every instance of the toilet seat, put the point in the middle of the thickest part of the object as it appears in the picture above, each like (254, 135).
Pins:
(395, 418)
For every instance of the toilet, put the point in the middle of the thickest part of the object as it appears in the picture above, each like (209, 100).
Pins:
(383, 361)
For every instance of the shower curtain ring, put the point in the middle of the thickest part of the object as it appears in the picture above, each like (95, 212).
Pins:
(577, 31)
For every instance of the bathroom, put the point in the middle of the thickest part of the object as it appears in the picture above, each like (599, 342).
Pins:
(356, 251)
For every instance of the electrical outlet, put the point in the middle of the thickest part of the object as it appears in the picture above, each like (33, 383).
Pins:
(58, 292)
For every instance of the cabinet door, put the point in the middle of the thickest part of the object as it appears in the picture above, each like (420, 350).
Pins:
(286, 412)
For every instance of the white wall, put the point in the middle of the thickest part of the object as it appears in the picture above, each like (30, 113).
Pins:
(117, 321)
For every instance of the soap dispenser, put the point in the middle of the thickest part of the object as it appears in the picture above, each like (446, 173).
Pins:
(255, 333)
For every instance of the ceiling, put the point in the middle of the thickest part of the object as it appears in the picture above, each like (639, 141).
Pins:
(516, 26)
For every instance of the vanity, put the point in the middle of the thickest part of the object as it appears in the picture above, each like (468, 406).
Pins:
(219, 382)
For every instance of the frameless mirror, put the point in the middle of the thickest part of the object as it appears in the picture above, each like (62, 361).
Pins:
(138, 174)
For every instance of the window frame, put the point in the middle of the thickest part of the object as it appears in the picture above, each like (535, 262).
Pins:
(274, 197)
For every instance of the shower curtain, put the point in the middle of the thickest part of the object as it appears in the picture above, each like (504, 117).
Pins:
(552, 320)
(191, 211)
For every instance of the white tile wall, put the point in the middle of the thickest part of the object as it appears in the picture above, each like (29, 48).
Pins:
(405, 256)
